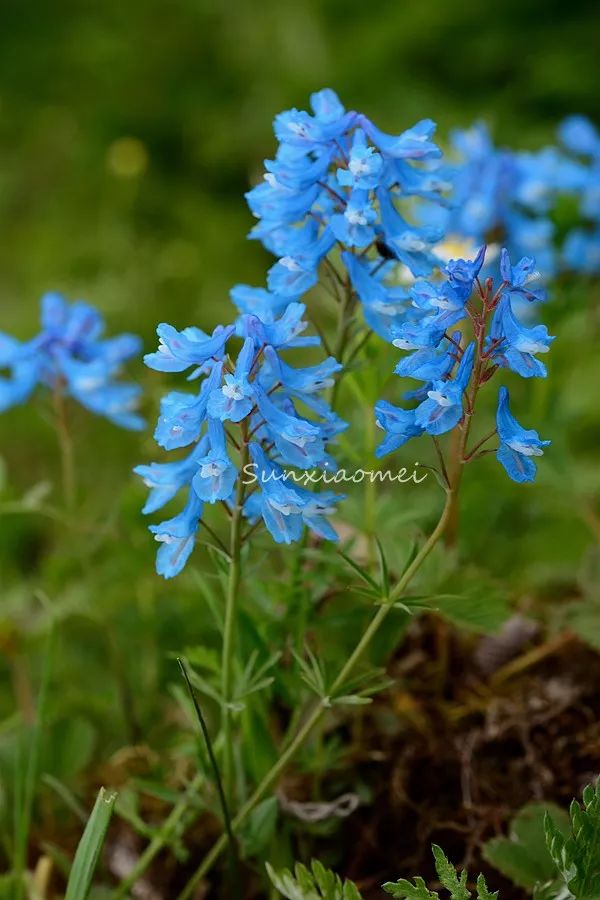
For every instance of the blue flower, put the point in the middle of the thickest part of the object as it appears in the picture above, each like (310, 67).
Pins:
(444, 304)
(582, 251)
(281, 333)
(24, 372)
(580, 136)
(329, 122)
(71, 357)
(256, 393)
(337, 179)
(216, 474)
(286, 508)
(501, 194)
(421, 334)
(298, 440)
(293, 275)
(518, 445)
(258, 301)
(520, 276)
(515, 344)
(299, 382)
(414, 143)
(399, 424)
(354, 227)
(183, 415)
(364, 165)
(462, 273)
(449, 372)
(234, 399)
(166, 479)
(383, 306)
(178, 350)
(430, 365)
(443, 408)
(410, 245)
(177, 537)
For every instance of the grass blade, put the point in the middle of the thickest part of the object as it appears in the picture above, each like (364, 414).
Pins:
(26, 773)
(90, 846)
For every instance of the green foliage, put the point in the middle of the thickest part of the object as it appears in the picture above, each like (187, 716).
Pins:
(90, 847)
(154, 228)
(455, 884)
(316, 883)
(523, 856)
(259, 829)
(577, 856)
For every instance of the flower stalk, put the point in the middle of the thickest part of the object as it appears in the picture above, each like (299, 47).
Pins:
(65, 445)
(321, 707)
(229, 628)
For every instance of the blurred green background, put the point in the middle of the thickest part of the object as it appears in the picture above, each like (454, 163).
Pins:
(128, 135)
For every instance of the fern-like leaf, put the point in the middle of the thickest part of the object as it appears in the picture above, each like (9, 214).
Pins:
(316, 883)
(405, 890)
(483, 892)
(455, 884)
(577, 857)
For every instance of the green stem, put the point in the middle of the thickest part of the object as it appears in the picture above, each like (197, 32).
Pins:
(235, 878)
(159, 840)
(67, 456)
(323, 705)
(342, 332)
(179, 810)
(460, 437)
(233, 587)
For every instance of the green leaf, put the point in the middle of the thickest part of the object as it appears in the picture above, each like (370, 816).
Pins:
(583, 618)
(351, 700)
(312, 672)
(383, 570)
(481, 612)
(482, 890)
(316, 883)
(577, 856)
(90, 846)
(523, 856)
(260, 827)
(448, 876)
(455, 884)
(362, 573)
(404, 890)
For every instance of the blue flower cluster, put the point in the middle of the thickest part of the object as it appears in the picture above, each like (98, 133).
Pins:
(582, 245)
(259, 394)
(70, 356)
(338, 181)
(452, 371)
(505, 196)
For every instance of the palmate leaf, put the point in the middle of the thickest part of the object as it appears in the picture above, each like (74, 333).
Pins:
(577, 856)
(523, 856)
(316, 883)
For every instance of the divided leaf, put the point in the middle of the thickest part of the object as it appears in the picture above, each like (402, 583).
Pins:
(316, 883)
(577, 856)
